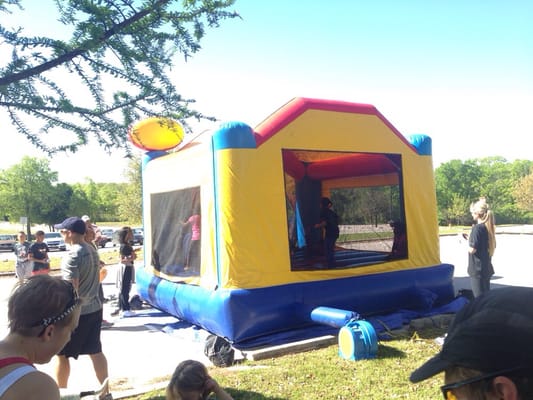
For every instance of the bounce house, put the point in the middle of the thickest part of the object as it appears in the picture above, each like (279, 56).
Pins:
(233, 242)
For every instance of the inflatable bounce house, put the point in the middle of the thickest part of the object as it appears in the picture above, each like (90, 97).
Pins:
(233, 239)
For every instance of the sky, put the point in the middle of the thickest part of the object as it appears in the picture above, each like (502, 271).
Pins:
(459, 71)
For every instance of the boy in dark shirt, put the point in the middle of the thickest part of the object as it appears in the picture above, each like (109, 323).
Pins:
(39, 255)
(329, 220)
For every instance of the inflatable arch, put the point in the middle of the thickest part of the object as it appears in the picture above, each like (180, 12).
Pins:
(231, 242)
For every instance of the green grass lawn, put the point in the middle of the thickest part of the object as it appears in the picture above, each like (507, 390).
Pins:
(322, 374)
(109, 257)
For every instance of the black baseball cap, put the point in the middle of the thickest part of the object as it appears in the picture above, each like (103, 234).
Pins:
(73, 224)
(491, 333)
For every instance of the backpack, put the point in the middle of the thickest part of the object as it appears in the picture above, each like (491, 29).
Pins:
(219, 351)
(136, 303)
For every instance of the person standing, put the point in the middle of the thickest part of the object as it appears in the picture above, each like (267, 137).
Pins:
(42, 313)
(482, 243)
(23, 267)
(90, 238)
(329, 221)
(81, 267)
(126, 271)
(39, 255)
(193, 253)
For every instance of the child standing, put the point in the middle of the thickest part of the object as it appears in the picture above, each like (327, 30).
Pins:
(191, 381)
(39, 255)
(329, 221)
(126, 271)
(21, 249)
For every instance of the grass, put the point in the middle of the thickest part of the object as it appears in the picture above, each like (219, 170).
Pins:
(322, 374)
(109, 257)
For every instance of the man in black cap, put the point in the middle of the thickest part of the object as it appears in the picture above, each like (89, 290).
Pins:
(488, 351)
(81, 266)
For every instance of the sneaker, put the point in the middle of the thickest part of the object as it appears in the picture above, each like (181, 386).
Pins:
(106, 324)
(115, 312)
(127, 313)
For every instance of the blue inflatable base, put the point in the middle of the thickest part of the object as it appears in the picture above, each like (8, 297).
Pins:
(246, 315)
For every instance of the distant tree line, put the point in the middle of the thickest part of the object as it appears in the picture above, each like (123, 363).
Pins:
(508, 187)
(30, 189)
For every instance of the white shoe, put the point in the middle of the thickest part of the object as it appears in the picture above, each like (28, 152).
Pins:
(127, 313)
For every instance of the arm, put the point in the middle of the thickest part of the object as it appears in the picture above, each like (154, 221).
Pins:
(212, 386)
(36, 386)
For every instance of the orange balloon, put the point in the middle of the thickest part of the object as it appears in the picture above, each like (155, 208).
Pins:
(156, 133)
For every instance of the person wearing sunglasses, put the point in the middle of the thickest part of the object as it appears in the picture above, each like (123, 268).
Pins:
(43, 311)
(488, 350)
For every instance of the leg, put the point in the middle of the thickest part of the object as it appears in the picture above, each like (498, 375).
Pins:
(485, 284)
(20, 272)
(125, 288)
(100, 366)
(194, 256)
(477, 289)
(330, 251)
(62, 371)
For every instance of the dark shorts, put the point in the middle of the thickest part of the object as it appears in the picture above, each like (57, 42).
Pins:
(40, 268)
(86, 338)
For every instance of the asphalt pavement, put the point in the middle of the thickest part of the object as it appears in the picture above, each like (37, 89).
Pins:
(142, 351)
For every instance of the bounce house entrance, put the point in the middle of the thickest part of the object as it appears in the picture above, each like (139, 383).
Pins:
(365, 191)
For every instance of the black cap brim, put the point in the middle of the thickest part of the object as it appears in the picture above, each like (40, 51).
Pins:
(431, 367)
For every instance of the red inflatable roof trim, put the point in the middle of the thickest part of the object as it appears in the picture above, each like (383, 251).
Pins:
(297, 106)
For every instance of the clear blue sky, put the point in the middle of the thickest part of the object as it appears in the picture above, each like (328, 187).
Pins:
(458, 71)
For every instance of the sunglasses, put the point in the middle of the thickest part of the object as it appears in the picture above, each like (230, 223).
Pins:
(447, 390)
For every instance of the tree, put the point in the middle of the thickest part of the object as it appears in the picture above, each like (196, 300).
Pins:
(459, 183)
(456, 182)
(98, 200)
(56, 209)
(26, 189)
(523, 193)
(128, 45)
(130, 199)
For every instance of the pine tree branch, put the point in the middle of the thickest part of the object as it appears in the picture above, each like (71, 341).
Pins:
(85, 47)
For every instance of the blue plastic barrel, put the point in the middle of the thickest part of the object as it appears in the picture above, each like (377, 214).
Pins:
(358, 341)
(333, 316)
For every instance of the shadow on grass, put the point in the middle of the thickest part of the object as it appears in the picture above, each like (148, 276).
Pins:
(385, 351)
(235, 393)
(249, 395)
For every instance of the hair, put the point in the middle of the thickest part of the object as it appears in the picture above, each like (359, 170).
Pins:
(39, 233)
(90, 234)
(486, 216)
(325, 202)
(40, 301)
(123, 234)
(189, 376)
(477, 390)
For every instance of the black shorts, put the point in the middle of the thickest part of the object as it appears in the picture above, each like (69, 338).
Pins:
(86, 338)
